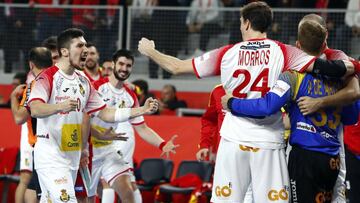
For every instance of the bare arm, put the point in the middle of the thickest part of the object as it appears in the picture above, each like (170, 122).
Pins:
(345, 96)
(85, 129)
(20, 113)
(40, 109)
(119, 115)
(169, 63)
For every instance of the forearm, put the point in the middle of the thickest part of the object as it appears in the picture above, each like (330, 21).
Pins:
(170, 63)
(345, 96)
(85, 129)
(112, 115)
(149, 135)
(333, 68)
(266, 106)
(41, 110)
(20, 113)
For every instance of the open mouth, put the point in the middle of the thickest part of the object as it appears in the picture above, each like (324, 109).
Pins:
(83, 58)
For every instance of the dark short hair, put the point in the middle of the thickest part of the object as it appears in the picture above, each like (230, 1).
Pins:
(41, 57)
(311, 36)
(259, 14)
(172, 87)
(123, 53)
(65, 37)
(50, 43)
(90, 44)
(142, 84)
(21, 76)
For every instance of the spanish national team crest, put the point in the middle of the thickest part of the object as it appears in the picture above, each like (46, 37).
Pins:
(64, 197)
(122, 104)
(82, 90)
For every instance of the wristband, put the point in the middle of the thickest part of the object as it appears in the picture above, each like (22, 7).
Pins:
(161, 146)
(122, 114)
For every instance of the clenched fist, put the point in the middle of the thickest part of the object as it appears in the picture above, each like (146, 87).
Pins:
(145, 46)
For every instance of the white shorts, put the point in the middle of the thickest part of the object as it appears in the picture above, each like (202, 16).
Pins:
(26, 150)
(127, 149)
(237, 167)
(57, 185)
(110, 167)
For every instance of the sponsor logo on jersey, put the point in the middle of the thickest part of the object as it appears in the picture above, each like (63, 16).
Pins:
(43, 136)
(223, 191)
(71, 137)
(280, 88)
(248, 149)
(66, 89)
(61, 98)
(82, 90)
(305, 127)
(58, 83)
(324, 196)
(282, 194)
(293, 191)
(64, 197)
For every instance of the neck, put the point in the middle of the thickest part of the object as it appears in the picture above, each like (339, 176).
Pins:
(255, 35)
(115, 82)
(92, 72)
(65, 66)
(36, 71)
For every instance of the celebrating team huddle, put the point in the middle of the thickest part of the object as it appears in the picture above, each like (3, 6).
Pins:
(72, 112)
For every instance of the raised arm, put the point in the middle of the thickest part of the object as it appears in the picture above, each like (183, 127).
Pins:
(169, 63)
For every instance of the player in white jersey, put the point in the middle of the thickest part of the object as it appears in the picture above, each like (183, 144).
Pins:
(251, 150)
(39, 59)
(60, 96)
(116, 93)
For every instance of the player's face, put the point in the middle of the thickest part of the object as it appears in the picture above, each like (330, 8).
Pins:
(92, 58)
(123, 68)
(107, 68)
(78, 53)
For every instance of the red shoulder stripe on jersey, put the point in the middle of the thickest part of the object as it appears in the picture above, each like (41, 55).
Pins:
(335, 54)
(194, 68)
(283, 49)
(100, 82)
(220, 56)
(142, 122)
(133, 95)
(95, 110)
(33, 99)
(49, 73)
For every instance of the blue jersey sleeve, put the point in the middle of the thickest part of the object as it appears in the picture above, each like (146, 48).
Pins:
(277, 97)
(350, 114)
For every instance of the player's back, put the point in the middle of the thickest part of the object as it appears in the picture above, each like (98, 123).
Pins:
(257, 66)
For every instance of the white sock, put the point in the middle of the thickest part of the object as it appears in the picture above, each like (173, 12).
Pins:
(108, 195)
(137, 196)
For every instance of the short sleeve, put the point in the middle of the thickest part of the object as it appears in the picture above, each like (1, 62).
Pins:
(209, 63)
(296, 59)
(42, 88)
(94, 103)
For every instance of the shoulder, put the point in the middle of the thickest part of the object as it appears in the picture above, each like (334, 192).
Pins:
(100, 82)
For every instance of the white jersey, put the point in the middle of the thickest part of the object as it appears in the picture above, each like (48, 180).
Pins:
(59, 135)
(118, 98)
(248, 70)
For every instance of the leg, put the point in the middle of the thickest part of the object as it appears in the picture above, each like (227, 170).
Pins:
(137, 194)
(353, 176)
(122, 186)
(230, 183)
(25, 177)
(33, 192)
(274, 184)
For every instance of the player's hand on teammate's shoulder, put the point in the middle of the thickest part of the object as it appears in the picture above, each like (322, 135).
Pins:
(145, 46)
(224, 101)
(169, 147)
(110, 134)
(151, 105)
(309, 105)
(18, 91)
(68, 105)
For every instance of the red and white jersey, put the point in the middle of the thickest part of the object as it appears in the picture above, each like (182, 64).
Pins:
(248, 70)
(59, 135)
(118, 98)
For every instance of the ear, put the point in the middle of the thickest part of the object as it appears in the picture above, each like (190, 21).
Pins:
(64, 52)
(247, 24)
(298, 45)
(31, 65)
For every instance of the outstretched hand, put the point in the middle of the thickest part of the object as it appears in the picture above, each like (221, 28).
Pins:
(202, 154)
(169, 147)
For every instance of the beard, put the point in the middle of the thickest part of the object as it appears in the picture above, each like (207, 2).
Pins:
(78, 66)
(120, 78)
(90, 64)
